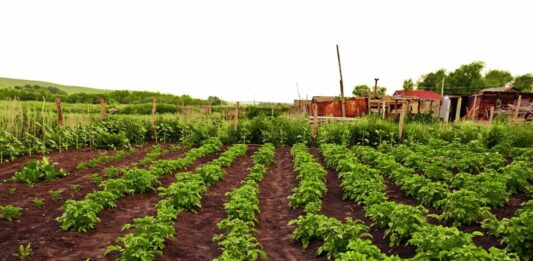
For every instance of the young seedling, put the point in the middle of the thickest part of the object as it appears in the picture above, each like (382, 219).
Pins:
(75, 187)
(11, 191)
(56, 194)
(10, 212)
(38, 202)
(23, 252)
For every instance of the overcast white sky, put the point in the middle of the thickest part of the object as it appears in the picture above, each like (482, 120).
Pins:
(236, 49)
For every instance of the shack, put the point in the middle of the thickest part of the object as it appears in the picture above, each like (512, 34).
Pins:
(505, 100)
(330, 106)
(420, 101)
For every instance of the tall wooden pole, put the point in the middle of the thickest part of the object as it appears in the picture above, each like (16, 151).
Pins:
(442, 86)
(315, 120)
(517, 108)
(59, 113)
(341, 83)
(402, 119)
(458, 109)
(376, 87)
(102, 108)
(236, 117)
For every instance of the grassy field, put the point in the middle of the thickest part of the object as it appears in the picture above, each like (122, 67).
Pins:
(8, 82)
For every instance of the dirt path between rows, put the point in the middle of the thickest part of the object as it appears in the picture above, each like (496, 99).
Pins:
(38, 226)
(195, 231)
(272, 229)
(335, 206)
(93, 243)
(25, 194)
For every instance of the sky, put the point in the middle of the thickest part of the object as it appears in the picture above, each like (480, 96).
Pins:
(257, 50)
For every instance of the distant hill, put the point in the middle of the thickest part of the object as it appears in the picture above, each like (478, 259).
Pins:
(8, 82)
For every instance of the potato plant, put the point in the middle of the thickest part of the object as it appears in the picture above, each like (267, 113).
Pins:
(36, 171)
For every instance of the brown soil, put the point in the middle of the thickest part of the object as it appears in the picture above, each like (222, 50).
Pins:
(195, 231)
(272, 229)
(335, 206)
(75, 177)
(509, 208)
(38, 226)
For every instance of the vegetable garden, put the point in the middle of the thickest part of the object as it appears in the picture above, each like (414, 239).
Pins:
(123, 189)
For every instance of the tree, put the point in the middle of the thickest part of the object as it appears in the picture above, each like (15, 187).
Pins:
(497, 78)
(523, 82)
(361, 90)
(408, 85)
(431, 81)
(214, 100)
(466, 79)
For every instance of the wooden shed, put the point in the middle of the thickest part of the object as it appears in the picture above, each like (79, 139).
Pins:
(504, 100)
(330, 106)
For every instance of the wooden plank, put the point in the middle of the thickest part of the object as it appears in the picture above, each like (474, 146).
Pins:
(402, 119)
(516, 110)
(491, 116)
(315, 121)
(59, 113)
(458, 109)
(102, 108)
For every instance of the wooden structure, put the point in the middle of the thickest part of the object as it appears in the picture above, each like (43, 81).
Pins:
(332, 107)
(507, 100)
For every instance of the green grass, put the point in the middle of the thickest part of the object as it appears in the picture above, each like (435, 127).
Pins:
(8, 82)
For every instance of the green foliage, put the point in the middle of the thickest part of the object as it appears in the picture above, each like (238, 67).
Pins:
(56, 194)
(94, 178)
(106, 140)
(523, 82)
(38, 202)
(79, 215)
(11, 191)
(186, 193)
(10, 212)
(404, 220)
(36, 171)
(497, 78)
(463, 207)
(23, 252)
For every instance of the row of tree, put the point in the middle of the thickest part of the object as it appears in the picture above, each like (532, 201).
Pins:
(469, 79)
(37, 93)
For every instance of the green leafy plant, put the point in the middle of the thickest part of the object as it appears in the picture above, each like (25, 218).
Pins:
(10, 212)
(11, 191)
(23, 252)
(56, 194)
(36, 171)
(75, 187)
(38, 202)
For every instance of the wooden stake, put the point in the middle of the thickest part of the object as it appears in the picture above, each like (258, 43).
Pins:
(236, 117)
(341, 83)
(517, 108)
(458, 109)
(491, 116)
(154, 109)
(315, 121)
(402, 118)
(59, 113)
(102, 108)
(383, 108)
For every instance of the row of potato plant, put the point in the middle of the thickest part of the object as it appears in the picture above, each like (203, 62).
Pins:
(467, 198)
(185, 194)
(238, 241)
(82, 215)
(341, 241)
(403, 224)
(103, 158)
(516, 232)
(155, 152)
(311, 178)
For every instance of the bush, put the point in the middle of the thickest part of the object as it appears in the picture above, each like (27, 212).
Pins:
(105, 140)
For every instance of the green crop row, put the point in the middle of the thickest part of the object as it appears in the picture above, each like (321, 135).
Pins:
(185, 194)
(103, 158)
(81, 215)
(402, 223)
(238, 241)
(312, 181)
(36, 171)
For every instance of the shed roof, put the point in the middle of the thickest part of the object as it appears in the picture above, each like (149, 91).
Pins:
(501, 89)
(430, 95)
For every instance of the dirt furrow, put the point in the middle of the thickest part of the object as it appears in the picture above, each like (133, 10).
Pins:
(335, 206)
(272, 229)
(195, 231)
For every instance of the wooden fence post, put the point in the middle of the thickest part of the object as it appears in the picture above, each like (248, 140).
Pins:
(383, 108)
(236, 117)
(458, 109)
(102, 108)
(517, 108)
(154, 110)
(315, 121)
(402, 119)
(59, 113)
(491, 116)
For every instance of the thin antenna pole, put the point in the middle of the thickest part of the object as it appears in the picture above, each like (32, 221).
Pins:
(442, 85)
(341, 83)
